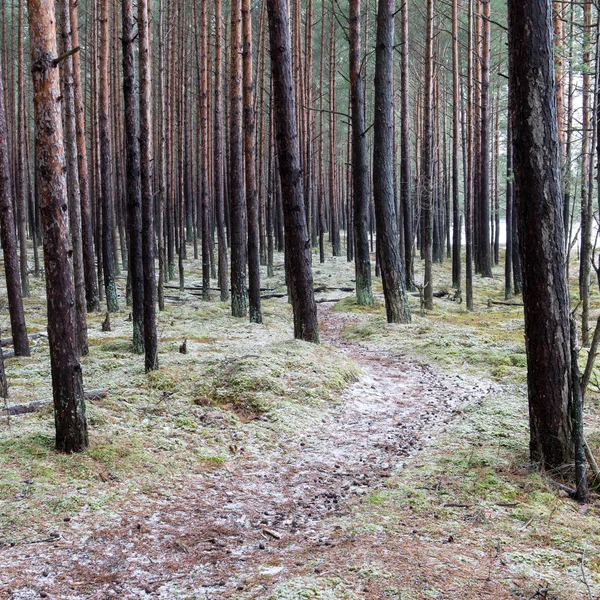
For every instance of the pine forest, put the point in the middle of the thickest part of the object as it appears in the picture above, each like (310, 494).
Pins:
(300, 299)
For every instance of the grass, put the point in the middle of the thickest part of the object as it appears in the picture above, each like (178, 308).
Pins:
(511, 512)
(188, 417)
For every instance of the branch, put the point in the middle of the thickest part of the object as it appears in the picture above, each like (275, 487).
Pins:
(64, 56)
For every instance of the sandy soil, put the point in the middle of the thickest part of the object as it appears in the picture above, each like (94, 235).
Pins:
(242, 530)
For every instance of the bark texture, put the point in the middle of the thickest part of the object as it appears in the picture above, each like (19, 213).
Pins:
(297, 243)
(392, 273)
(360, 173)
(67, 380)
(9, 240)
(539, 208)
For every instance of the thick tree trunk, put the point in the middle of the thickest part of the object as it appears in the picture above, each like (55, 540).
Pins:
(296, 233)
(132, 169)
(239, 293)
(67, 381)
(392, 272)
(9, 240)
(360, 174)
(538, 196)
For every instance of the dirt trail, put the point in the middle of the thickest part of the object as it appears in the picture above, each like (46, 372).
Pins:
(239, 531)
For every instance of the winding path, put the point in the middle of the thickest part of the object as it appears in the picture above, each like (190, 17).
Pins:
(239, 531)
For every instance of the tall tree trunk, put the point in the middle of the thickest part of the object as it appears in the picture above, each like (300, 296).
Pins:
(87, 234)
(405, 162)
(538, 196)
(9, 240)
(456, 233)
(146, 174)
(392, 272)
(108, 254)
(132, 169)
(73, 190)
(21, 202)
(205, 208)
(236, 169)
(427, 161)
(470, 168)
(250, 167)
(333, 201)
(218, 154)
(297, 243)
(484, 192)
(162, 158)
(508, 266)
(586, 197)
(67, 381)
(360, 174)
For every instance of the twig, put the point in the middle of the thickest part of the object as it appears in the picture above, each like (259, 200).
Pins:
(21, 409)
(591, 459)
(582, 564)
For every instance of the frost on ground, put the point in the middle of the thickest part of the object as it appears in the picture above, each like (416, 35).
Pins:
(386, 463)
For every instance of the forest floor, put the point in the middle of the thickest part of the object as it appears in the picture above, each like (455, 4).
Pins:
(388, 462)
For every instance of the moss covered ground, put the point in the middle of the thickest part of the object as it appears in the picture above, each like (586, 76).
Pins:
(468, 498)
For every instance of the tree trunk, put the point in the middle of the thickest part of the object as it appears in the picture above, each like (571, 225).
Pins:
(108, 259)
(146, 174)
(162, 158)
(218, 155)
(9, 240)
(132, 169)
(21, 204)
(360, 174)
(236, 170)
(392, 273)
(250, 168)
(297, 243)
(405, 162)
(508, 266)
(485, 257)
(427, 208)
(67, 381)
(456, 233)
(73, 190)
(586, 197)
(538, 196)
(87, 234)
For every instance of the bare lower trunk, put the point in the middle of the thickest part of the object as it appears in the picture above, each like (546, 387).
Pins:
(9, 241)
(297, 243)
(538, 196)
(67, 381)
(392, 272)
(146, 176)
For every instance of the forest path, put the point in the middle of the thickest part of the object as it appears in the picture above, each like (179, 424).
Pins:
(241, 530)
